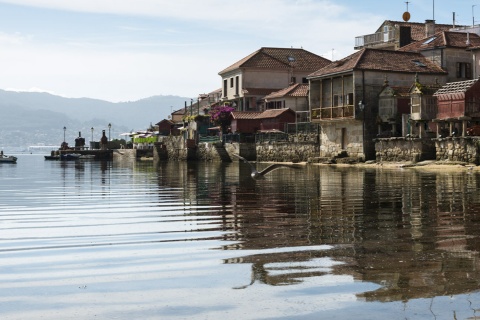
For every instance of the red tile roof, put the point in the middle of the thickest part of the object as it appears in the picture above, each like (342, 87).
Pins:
(280, 58)
(447, 39)
(295, 90)
(245, 114)
(456, 87)
(250, 115)
(381, 60)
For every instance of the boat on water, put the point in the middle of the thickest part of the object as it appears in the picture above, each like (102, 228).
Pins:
(70, 156)
(7, 159)
(52, 157)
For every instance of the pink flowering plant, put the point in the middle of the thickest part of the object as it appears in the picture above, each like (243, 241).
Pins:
(219, 115)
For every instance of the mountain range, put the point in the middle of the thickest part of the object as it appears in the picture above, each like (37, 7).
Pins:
(33, 118)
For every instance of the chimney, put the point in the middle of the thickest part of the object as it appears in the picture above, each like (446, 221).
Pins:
(468, 39)
(429, 28)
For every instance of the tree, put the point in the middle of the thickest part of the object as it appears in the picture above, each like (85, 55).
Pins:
(220, 115)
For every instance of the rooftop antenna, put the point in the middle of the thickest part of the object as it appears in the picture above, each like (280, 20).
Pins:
(406, 14)
(473, 16)
(433, 10)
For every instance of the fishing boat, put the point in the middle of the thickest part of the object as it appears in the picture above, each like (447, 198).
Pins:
(7, 159)
(70, 156)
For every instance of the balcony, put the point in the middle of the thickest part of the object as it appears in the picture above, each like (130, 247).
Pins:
(334, 113)
(375, 39)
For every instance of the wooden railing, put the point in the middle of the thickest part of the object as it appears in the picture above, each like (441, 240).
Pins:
(341, 112)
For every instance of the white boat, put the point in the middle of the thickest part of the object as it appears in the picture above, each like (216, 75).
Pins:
(7, 159)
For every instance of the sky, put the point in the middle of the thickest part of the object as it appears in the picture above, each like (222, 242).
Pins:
(126, 50)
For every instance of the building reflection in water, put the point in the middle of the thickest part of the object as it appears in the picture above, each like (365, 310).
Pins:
(414, 233)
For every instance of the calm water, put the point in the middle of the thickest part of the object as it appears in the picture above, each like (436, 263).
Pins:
(92, 240)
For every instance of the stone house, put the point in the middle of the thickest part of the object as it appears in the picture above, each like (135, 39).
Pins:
(294, 97)
(249, 80)
(344, 97)
(392, 35)
(450, 51)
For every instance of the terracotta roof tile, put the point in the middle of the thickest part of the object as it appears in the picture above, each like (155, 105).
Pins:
(245, 115)
(273, 113)
(381, 60)
(456, 87)
(444, 39)
(280, 58)
(295, 90)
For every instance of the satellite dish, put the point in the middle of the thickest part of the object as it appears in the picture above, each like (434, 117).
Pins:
(406, 16)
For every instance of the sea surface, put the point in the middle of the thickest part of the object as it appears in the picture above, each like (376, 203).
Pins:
(196, 240)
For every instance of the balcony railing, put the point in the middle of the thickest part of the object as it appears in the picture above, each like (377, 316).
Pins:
(340, 112)
(375, 38)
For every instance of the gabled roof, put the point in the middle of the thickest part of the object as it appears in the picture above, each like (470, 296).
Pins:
(397, 91)
(447, 39)
(273, 113)
(280, 58)
(170, 122)
(381, 60)
(417, 28)
(456, 87)
(267, 114)
(249, 115)
(295, 90)
(180, 111)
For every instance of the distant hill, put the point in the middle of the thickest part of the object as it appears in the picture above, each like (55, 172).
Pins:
(29, 118)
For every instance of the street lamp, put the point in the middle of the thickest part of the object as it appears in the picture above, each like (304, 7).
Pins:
(64, 130)
(92, 133)
(109, 127)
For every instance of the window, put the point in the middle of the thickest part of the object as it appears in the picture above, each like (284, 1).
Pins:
(304, 80)
(349, 99)
(464, 70)
(231, 82)
(293, 80)
(237, 85)
(225, 83)
(337, 100)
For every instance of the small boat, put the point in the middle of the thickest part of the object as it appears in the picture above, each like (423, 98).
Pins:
(52, 157)
(7, 159)
(70, 156)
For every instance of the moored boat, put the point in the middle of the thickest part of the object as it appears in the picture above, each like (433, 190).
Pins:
(7, 159)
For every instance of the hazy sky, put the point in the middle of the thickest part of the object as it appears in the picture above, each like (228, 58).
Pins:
(124, 50)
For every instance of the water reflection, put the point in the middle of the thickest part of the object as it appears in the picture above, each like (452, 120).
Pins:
(414, 233)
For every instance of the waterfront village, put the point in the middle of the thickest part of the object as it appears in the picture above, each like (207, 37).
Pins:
(409, 93)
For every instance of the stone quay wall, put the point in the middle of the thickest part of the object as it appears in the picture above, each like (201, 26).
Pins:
(300, 147)
(463, 149)
(399, 149)
(287, 151)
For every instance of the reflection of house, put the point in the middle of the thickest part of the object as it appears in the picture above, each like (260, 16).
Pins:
(294, 97)
(264, 71)
(251, 122)
(458, 104)
(344, 97)
(392, 35)
(449, 51)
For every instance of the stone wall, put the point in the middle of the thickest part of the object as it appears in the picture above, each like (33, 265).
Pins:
(464, 149)
(400, 149)
(286, 152)
(300, 147)
(342, 137)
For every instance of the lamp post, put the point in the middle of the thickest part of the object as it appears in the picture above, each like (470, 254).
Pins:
(64, 130)
(109, 127)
